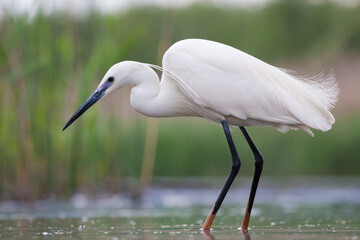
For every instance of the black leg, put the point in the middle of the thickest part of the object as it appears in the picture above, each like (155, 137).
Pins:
(235, 167)
(258, 168)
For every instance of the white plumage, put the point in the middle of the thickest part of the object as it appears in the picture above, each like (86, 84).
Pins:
(247, 91)
(211, 80)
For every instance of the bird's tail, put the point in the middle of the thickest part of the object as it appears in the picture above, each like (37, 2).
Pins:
(324, 91)
(325, 87)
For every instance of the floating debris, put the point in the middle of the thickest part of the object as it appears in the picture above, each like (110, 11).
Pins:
(81, 227)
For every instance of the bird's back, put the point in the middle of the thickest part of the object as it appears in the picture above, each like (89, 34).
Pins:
(247, 91)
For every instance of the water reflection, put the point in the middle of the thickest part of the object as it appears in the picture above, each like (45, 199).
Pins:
(209, 236)
(245, 234)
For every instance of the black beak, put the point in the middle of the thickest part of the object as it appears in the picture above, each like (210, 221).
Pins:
(96, 96)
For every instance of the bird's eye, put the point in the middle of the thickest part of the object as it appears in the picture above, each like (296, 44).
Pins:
(110, 79)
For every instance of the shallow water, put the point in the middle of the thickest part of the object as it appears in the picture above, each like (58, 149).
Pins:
(311, 208)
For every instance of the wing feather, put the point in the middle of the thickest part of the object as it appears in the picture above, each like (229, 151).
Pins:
(233, 83)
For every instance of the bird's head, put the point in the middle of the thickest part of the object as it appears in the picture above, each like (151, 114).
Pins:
(116, 77)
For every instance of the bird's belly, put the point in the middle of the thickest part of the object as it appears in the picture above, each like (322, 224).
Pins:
(235, 121)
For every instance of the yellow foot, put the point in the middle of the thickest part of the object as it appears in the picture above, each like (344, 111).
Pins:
(209, 219)
(245, 222)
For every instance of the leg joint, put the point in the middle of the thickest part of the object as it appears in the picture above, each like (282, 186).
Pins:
(236, 167)
(259, 160)
(236, 164)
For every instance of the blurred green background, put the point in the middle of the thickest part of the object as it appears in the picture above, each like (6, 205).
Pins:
(50, 64)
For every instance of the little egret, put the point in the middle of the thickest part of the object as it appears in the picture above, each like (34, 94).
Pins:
(202, 78)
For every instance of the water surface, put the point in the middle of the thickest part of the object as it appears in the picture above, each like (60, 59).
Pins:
(308, 208)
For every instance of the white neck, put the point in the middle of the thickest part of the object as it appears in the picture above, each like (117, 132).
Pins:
(146, 87)
(153, 99)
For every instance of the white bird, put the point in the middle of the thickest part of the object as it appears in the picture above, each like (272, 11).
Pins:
(202, 78)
